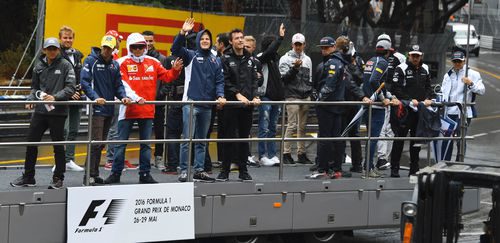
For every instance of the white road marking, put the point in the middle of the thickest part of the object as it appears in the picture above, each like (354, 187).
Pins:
(480, 135)
(487, 203)
(496, 131)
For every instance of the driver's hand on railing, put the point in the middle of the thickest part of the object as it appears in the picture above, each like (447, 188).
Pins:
(386, 102)
(395, 102)
(367, 100)
(242, 98)
(221, 102)
(427, 102)
(75, 96)
(126, 101)
(100, 101)
(141, 101)
(29, 106)
(414, 102)
(48, 98)
(256, 101)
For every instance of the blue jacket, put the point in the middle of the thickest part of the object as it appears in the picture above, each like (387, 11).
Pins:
(204, 80)
(375, 73)
(101, 79)
(331, 81)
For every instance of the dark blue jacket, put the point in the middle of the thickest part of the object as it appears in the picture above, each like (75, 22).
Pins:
(101, 79)
(203, 71)
(375, 73)
(331, 84)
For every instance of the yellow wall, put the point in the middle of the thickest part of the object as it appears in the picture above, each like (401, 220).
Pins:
(91, 20)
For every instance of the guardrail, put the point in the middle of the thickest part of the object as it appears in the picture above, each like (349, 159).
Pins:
(191, 140)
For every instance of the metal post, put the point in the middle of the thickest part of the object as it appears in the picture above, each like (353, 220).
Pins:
(190, 136)
(89, 146)
(429, 153)
(282, 145)
(164, 125)
(367, 148)
(303, 15)
(463, 118)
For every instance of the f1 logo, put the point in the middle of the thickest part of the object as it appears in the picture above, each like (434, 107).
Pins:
(111, 212)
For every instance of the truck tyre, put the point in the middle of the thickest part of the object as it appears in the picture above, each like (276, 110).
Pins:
(477, 53)
(245, 239)
(323, 237)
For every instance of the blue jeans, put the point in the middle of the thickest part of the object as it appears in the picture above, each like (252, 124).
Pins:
(376, 127)
(446, 155)
(268, 118)
(113, 134)
(200, 123)
(124, 128)
(71, 130)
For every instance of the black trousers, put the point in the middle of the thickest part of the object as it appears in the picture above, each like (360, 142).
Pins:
(100, 130)
(159, 128)
(220, 134)
(208, 159)
(174, 131)
(237, 124)
(397, 147)
(330, 125)
(38, 125)
(356, 154)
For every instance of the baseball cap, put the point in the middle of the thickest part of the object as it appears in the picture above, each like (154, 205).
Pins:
(115, 34)
(384, 37)
(458, 55)
(109, 41)
(298, 38)
(51, 41)
(383, 45)
(326, 41)
(415, 49)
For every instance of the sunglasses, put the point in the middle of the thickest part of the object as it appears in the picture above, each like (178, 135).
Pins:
(137, 47)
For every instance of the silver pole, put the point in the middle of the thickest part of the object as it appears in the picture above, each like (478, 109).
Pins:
(89, 146)
(463, 119)
(164, 126)
(367, 147)
(190, 136)
(282, 143)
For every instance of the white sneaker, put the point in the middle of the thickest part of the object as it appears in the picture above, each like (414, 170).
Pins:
(348, 159)
(72, 166)
(251, 159)
(265, 161)
(276, 160)
(159, 163)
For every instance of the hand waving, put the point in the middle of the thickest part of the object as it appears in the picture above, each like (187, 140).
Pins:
(178, 64)
(187, 26)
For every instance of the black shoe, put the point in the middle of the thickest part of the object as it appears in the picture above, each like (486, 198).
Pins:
(302, 158)
(382, 164)
(395, 173)
(170, 170)
(112, 179)
(314, 167)
(244, 176)
(356, 169)
(202, 176)
(146, 178)
(288, 160)
(413, 169)
(23, 181)
(56, 183)
(223, 176)
(94, 180)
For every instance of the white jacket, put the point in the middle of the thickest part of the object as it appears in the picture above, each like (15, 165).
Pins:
(453, 89)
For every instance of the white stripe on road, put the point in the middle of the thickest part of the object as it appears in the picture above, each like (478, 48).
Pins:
(480, 135)
(487, 203)
(496, 131)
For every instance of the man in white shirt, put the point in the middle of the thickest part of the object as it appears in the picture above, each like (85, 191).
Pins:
(453, 85)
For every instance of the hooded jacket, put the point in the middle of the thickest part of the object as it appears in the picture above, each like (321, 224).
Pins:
(332, 81)
(101, 79)
(160, 86)
(240, 75)
(298, 82)
(139, 76)
(56, 79)
(272, 86)
(204, 80)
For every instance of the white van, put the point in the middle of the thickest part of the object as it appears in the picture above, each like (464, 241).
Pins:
(460, 37)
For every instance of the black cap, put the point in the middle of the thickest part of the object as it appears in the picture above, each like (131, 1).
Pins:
(415, 50)
(458, 55)
(326, 41)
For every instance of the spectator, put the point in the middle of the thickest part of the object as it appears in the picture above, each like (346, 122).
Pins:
(53, 80)
(140, 83)
(296, 71)
(270, 90)
(101, 81)
(74, 56)
(411, 82)
(204, 82)
(240, 85)
(454, 83)
(161, 94)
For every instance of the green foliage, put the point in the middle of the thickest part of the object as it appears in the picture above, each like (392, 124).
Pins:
(9, 60)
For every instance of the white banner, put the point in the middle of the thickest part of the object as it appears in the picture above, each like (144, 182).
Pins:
(130, 213)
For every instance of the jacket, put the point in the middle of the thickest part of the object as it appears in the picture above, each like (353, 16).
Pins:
(332, 81)
(298, 82)
(77, 57)
(374, 74)
(410, 83)
(240, 75)
(394, 60)
(272, 86)
(354, 80)
(453, 89)
(429, 122)
(139, 76)
(56, 79)
(204, 80)
(101, 79)
(160, 86)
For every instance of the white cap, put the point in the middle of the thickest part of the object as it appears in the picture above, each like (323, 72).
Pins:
(298, 38)
(415, 49)
(51, 41)
(384, 37)
(383, 45)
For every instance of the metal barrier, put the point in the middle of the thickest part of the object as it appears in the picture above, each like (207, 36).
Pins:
(89, 142)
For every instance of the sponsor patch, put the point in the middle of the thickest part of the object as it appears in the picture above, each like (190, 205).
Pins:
(331, 71)
(379, 70)
(332, 66)
(57, 71)
(232, 64)
(132, 68)
(395, 79)
(410, 72)
(150, 69)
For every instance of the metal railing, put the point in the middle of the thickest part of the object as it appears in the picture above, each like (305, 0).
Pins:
(89, 142)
